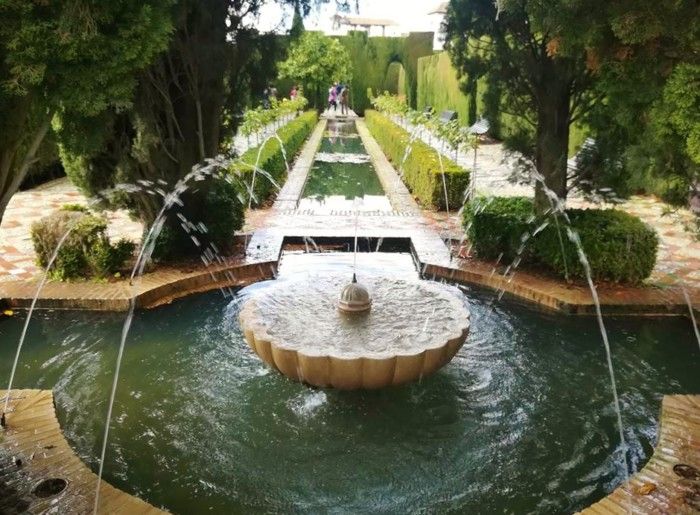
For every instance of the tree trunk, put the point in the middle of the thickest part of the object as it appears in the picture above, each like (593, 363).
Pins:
(552, 147)
(472, 89)
(17, 172)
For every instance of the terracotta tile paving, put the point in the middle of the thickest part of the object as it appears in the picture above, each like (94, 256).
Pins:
(17, 259)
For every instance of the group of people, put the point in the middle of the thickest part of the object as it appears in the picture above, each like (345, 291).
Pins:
(338, 93)
(270, 94)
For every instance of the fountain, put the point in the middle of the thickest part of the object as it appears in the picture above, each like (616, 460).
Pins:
(300, 328)
(355, 298)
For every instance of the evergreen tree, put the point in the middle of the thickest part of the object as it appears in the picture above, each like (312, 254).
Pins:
(297, 23)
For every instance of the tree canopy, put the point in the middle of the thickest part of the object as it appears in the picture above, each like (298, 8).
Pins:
(517, 43)
(628, 71)
(316, 61)
(68, 57)
(645, 57)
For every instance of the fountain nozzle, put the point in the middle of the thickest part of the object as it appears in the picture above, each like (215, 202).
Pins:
(354, 298)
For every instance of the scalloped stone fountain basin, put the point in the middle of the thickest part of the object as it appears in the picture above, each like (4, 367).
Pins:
(414, 328)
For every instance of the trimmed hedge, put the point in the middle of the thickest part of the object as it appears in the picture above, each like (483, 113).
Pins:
(371, 58)
(86, 252)
(293, 136)
(619, 247)
(422, 171)
(497, 225)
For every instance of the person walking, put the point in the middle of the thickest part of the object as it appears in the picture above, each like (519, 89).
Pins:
(344, 97)
(333, 97)
(293, 94)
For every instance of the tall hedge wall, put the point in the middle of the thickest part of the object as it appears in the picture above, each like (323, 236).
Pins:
(372, 56)
(422, 172)
(395, 80)
(438, 86)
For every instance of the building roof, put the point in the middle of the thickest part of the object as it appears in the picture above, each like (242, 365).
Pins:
(440, 9)
(360, 21)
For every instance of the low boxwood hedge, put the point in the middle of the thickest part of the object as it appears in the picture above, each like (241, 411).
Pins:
(293, 136)
(619, 247)
(422, 172)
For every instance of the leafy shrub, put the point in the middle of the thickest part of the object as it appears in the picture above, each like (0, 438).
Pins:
(619, 247)
(86, 251)
(497, 225)
(422, 170)
(293, 136)
(75, 207)
(105, 259)
(675, 189)
(217, 208)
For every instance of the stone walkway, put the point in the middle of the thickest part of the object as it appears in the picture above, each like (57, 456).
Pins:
(678, 260)
(404, 221)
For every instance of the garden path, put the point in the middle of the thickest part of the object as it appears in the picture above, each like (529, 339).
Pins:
(679, 250)
(17, 258)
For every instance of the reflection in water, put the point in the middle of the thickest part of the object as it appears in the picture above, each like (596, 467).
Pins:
(341, 174)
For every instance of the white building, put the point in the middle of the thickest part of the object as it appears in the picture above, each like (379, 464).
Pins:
(342, 24)
(436, 17)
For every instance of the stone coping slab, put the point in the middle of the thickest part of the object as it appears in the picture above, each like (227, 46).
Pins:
(560, 296)
(165, 285)
(667, 483)
(45, 454)
(152, 289)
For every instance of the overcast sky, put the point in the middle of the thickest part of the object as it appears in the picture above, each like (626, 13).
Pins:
(411, 15)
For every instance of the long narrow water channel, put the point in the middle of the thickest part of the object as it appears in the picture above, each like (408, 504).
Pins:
(342, 178)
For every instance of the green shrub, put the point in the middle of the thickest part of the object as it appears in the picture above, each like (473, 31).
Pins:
(422, 172)
(619, 247)
(86, 251)
(105, 259)
(75, 207)
(216, 204)
(293, 136)
(497, 225)
(674, 190)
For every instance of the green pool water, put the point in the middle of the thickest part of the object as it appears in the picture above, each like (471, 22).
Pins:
(343, 186)
(521, 421)
(342, 145)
